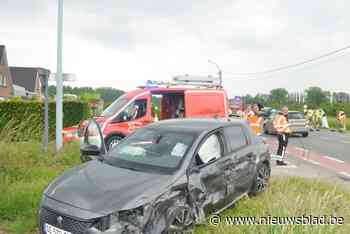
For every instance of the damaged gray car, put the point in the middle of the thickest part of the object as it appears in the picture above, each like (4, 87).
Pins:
(164, 178)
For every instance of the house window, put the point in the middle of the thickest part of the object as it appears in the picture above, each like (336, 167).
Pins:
(2, 80)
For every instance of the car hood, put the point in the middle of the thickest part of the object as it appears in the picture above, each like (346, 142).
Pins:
(103, 188)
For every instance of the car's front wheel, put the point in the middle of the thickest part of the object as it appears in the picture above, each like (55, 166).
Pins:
(261, 179)
(183, 220)
(113, 141)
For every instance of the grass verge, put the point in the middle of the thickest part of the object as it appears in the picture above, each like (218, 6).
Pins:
(25, 171)
(334, 124)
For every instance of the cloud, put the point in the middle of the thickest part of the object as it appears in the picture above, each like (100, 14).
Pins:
(124, 43)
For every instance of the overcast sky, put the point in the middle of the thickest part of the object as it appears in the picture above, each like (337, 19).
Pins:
(126, 42)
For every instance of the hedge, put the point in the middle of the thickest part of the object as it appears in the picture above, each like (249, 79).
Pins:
(24, 120)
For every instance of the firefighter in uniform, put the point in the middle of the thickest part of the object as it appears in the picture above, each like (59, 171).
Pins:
(283, 131)
(255, 120)
(341, 117)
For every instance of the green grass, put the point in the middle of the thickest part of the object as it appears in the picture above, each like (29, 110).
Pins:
(334, 123)
(25, 171)
(289, 197)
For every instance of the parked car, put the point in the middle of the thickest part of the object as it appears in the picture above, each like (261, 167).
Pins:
(267, 111)
(167, 176)
(296, 120)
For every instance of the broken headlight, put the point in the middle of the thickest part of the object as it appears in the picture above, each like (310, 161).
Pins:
(130, 219)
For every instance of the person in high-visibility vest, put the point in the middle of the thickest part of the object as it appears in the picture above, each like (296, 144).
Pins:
(341, 117)
(256, 120)
(248, 112)
(283, 131)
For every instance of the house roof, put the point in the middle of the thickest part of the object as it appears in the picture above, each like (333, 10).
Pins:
(25, 77)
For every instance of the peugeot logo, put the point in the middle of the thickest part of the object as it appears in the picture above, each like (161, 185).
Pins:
(59, 221)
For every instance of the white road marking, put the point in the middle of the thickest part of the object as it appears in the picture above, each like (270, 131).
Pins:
(334, 159)
(289, 165)
(313, 162)
(345, 174)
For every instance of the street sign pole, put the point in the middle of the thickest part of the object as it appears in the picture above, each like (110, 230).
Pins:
(59, 81)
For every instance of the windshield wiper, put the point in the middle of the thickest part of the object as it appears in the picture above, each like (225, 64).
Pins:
(130, 168)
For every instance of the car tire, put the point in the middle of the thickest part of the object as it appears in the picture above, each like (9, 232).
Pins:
(305, 134)
(182, 222)
(113, 141)
(261, 179)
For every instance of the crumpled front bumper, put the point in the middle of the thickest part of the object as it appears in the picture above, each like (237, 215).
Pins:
(120, 228)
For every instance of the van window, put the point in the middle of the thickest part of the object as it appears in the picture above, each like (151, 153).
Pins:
(235, 138)
(135, 110)
(115, 106)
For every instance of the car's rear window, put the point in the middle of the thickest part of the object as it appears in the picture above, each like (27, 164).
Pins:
(235, 138)
(295, 115)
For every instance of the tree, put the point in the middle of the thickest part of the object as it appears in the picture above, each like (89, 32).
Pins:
(248, 99)
(315, 96)
(107, 94)
(279, 96)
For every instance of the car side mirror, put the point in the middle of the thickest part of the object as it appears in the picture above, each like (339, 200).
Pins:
(88, 149)
(90, 152)
(92, 145)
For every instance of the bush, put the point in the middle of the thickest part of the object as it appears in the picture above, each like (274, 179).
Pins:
(331, 110)
(24, 120)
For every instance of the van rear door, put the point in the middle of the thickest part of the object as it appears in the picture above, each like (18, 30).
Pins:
(205, 103)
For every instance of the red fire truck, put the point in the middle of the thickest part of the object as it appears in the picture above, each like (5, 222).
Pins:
(183, 97)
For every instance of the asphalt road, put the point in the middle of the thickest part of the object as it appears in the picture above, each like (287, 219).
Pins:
(332, 144)
(324, 149)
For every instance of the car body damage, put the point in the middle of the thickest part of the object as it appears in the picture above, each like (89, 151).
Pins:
(160, 179)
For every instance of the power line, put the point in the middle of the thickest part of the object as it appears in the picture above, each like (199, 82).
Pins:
(270, 76)
(291, 65)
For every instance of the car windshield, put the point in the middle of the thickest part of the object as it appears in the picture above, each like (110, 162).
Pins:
(150, 149)
(115, 106)
(295, 115)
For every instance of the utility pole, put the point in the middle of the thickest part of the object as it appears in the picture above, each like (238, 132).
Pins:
(46, 110)
(220, 72)
(331, 97)
(59, 81)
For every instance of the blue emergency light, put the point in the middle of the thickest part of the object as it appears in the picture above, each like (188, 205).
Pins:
(151, 84)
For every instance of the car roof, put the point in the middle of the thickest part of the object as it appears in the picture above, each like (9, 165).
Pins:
(196, 126)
